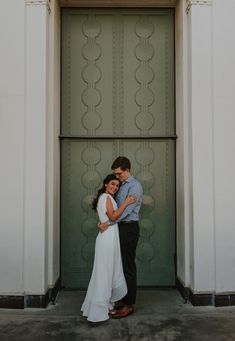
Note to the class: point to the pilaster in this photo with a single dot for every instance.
(202, 243)
(36, 107)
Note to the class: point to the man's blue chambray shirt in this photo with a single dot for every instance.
(130, 187)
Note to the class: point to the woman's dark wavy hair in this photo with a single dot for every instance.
(108, 178)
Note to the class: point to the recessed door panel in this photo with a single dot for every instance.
(118, 99)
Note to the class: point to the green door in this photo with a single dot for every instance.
(118, 99)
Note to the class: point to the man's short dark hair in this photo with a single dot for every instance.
(122, 162)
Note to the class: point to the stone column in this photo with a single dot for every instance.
(202, 243)
(36, 111)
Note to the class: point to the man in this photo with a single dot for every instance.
(128, 232)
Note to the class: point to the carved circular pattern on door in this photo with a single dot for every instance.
(91, 156)
(146, 178)
(144, 156)
(145, 252)
(91, 73)
(91, 27)
(89, 227)
(144, 28)
(146, 228)
(91, 120)
(91, 179)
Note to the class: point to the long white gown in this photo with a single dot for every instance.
(107, 283)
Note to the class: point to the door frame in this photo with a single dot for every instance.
(171, 137)
(183, 162)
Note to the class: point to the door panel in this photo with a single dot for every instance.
(117, 99)
(83, 168)
(118, 73)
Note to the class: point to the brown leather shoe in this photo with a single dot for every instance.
(125, 311)
(119, 305)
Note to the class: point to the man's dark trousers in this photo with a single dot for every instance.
(129, 236)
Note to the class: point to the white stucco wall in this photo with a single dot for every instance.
(12, 120)
(29, 129)
(194, 158)
(205, 78)
(201, 117)
(224, 142)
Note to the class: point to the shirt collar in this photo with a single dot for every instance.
(128, 179)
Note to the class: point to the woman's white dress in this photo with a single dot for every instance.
(107, 283)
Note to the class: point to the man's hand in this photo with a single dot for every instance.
(102, 227)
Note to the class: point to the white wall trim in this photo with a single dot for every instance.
(191, 3)
(46, 3)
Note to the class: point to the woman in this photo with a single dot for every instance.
(107, 283)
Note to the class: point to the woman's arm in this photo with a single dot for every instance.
(115, 214)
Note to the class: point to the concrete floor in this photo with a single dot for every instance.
(160, 315)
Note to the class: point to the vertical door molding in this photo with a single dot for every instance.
(202, 259)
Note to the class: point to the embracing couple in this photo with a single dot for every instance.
(112, 288)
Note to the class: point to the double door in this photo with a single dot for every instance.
(118, 99)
